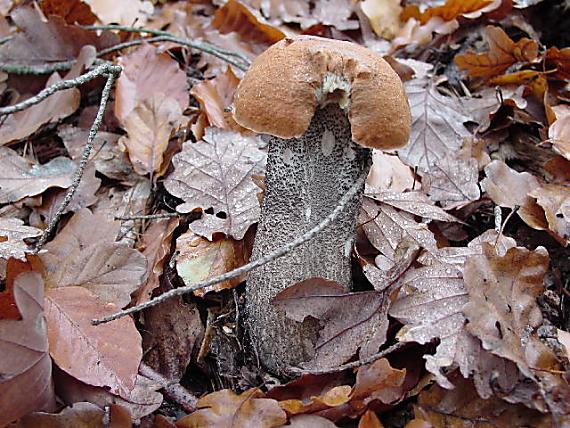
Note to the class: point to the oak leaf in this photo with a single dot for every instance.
(13, 233)
(217, 173)
(503, 52)
(25, 365)
(105, 355)
(224, 408)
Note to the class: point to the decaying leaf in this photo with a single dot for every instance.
(13, 232)
(199, 259)
(104, 355)
(437, 121)
(147, 73)
(80, 415)
(344, 329)
(20, 179)
(149, 127)
(416, 203)
(224, 408)
(25, 365)
(85, 254)
(216, 173)
(503, 52)
(554, 199)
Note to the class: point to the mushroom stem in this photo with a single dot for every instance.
(305, 178)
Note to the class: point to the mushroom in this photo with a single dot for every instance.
(322, 105)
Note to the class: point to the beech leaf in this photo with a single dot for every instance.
(217, 173)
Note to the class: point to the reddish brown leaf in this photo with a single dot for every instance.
(560, 60)
(72, 11)
(25, 365)
(105, 355)
(345, 330)
(87, 256)
(235, 17)
(502, 53)
(224, 408)
(370, 420)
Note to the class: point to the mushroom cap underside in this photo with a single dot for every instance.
(289, 81)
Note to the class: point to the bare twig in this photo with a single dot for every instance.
(148, 216)
(172, 390)
(112, 72)
(353, 365)
(37, 69)
(281, 251)
(62, 85)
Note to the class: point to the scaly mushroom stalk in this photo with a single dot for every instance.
(321, 104)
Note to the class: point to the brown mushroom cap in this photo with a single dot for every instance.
(287, 82)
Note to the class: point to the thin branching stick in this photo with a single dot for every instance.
(112, 72)
(281, 251)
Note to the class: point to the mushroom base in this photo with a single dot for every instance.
(305, 179)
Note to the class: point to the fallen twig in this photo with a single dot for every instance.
(281, 251)
(172, 390)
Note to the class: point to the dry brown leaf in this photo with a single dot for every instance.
(388, 173)
(224, 408)
(430, 305)
(146, 73)
(79, 415)
(502, 306)
(508, 188)
(149, 127)
(125, 12)
(25, 365)
(42, 42)
(330, 398)
(235, 17)
(559, 131)
(155, 246)
(199, 259)
(279, 11)
(453, 180)
(462, 407)
(345, 330)
(414, 202)
(437, 121)
(555, 201)
(72, 11)
(216, 173)
(370, 420)
(452, 9)
(106, 355)
(24, 123)
(387, 228)
(20, 179)
(560, 60)
(335, 13)
(384, 16)
(310, 421)
(215, 97)
(414, 33)
(143, 399)
(85, 254)
(13, 234)
(503, 53)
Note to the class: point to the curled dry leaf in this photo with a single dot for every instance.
(451, 9)
(149, 127)
(555, 201)
(20, 179)
(217, 173)
(508, 188)
(126, 12)
(384, 16)
(345, 330)
(235, 17)
(388, 173)
(199, 259)
(106, 355)
(85, 254)
(503, 52)
(437, 121)
(24, 123)
(146, 73)
(559, 59)
(25, 365)
(72, 11)
(13, 234)
(224, 408)
(559, 131)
